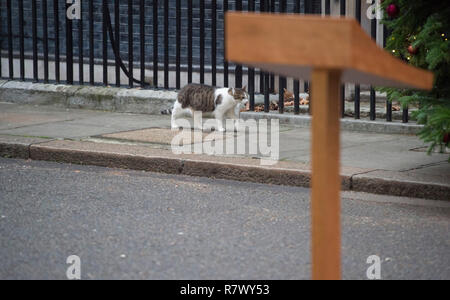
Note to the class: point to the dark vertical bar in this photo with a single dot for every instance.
(262, 8)
(115, 42)
(178, 40)
(0, 49)
(328, 7)
(251, 71)
(357, 103)
(296, 97)
(91, 41)
(105, 43)
(405, 117)
(189, 41)
(10, 40)
(261, 82)
(272, 76)
(225, 62)
(266, 93)
(343, 13)
(22, 41)
(34, 30)
(69, 48)
(358, 10)
(281, 80)
(130, 43)
(266, 85)
(142, 39)
(80, 48)
(373, 30)
(265, 7)
(45, 38)
(388, 103)
(155, 43)
(297, 82)
(56, 37)
(308, 10)
(388, 111)
(343, 7)
(202, 41)
(238, 68)
(214, 42)
(117, 36)
(166, 44)
(373, 115)
(272, 83)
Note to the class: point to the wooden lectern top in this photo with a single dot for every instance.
(294, 45)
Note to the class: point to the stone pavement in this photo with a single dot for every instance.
(378, 163)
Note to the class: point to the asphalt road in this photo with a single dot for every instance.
(136, 225)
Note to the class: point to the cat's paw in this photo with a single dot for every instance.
(236, 126)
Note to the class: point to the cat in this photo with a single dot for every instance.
(221, 102)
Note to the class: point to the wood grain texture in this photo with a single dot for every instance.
(327, 51)
(326, 183)
(293, 45)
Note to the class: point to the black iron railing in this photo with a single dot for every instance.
(183, 30)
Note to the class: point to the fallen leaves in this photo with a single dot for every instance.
(274, 105)
(396, 108)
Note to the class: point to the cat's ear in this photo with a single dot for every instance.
(230, 91)
(285, 90)
(244, 88)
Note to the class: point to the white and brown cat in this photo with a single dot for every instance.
(222, 103)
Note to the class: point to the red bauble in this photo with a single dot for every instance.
(412, 50)
(392, 10)
(446, 139)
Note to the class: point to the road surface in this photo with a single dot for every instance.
(136, 225)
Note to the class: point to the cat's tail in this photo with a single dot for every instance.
(166, 111)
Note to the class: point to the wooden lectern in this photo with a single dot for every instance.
(328, 51)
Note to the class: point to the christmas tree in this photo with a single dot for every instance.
(420, 32)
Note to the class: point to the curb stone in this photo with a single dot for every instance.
(17, 147)
(44, 150)
(88, 97)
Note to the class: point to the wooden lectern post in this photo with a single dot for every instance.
(328, 51)
(326, 182)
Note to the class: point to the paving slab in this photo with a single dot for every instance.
(52, 122)
(166, 136)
